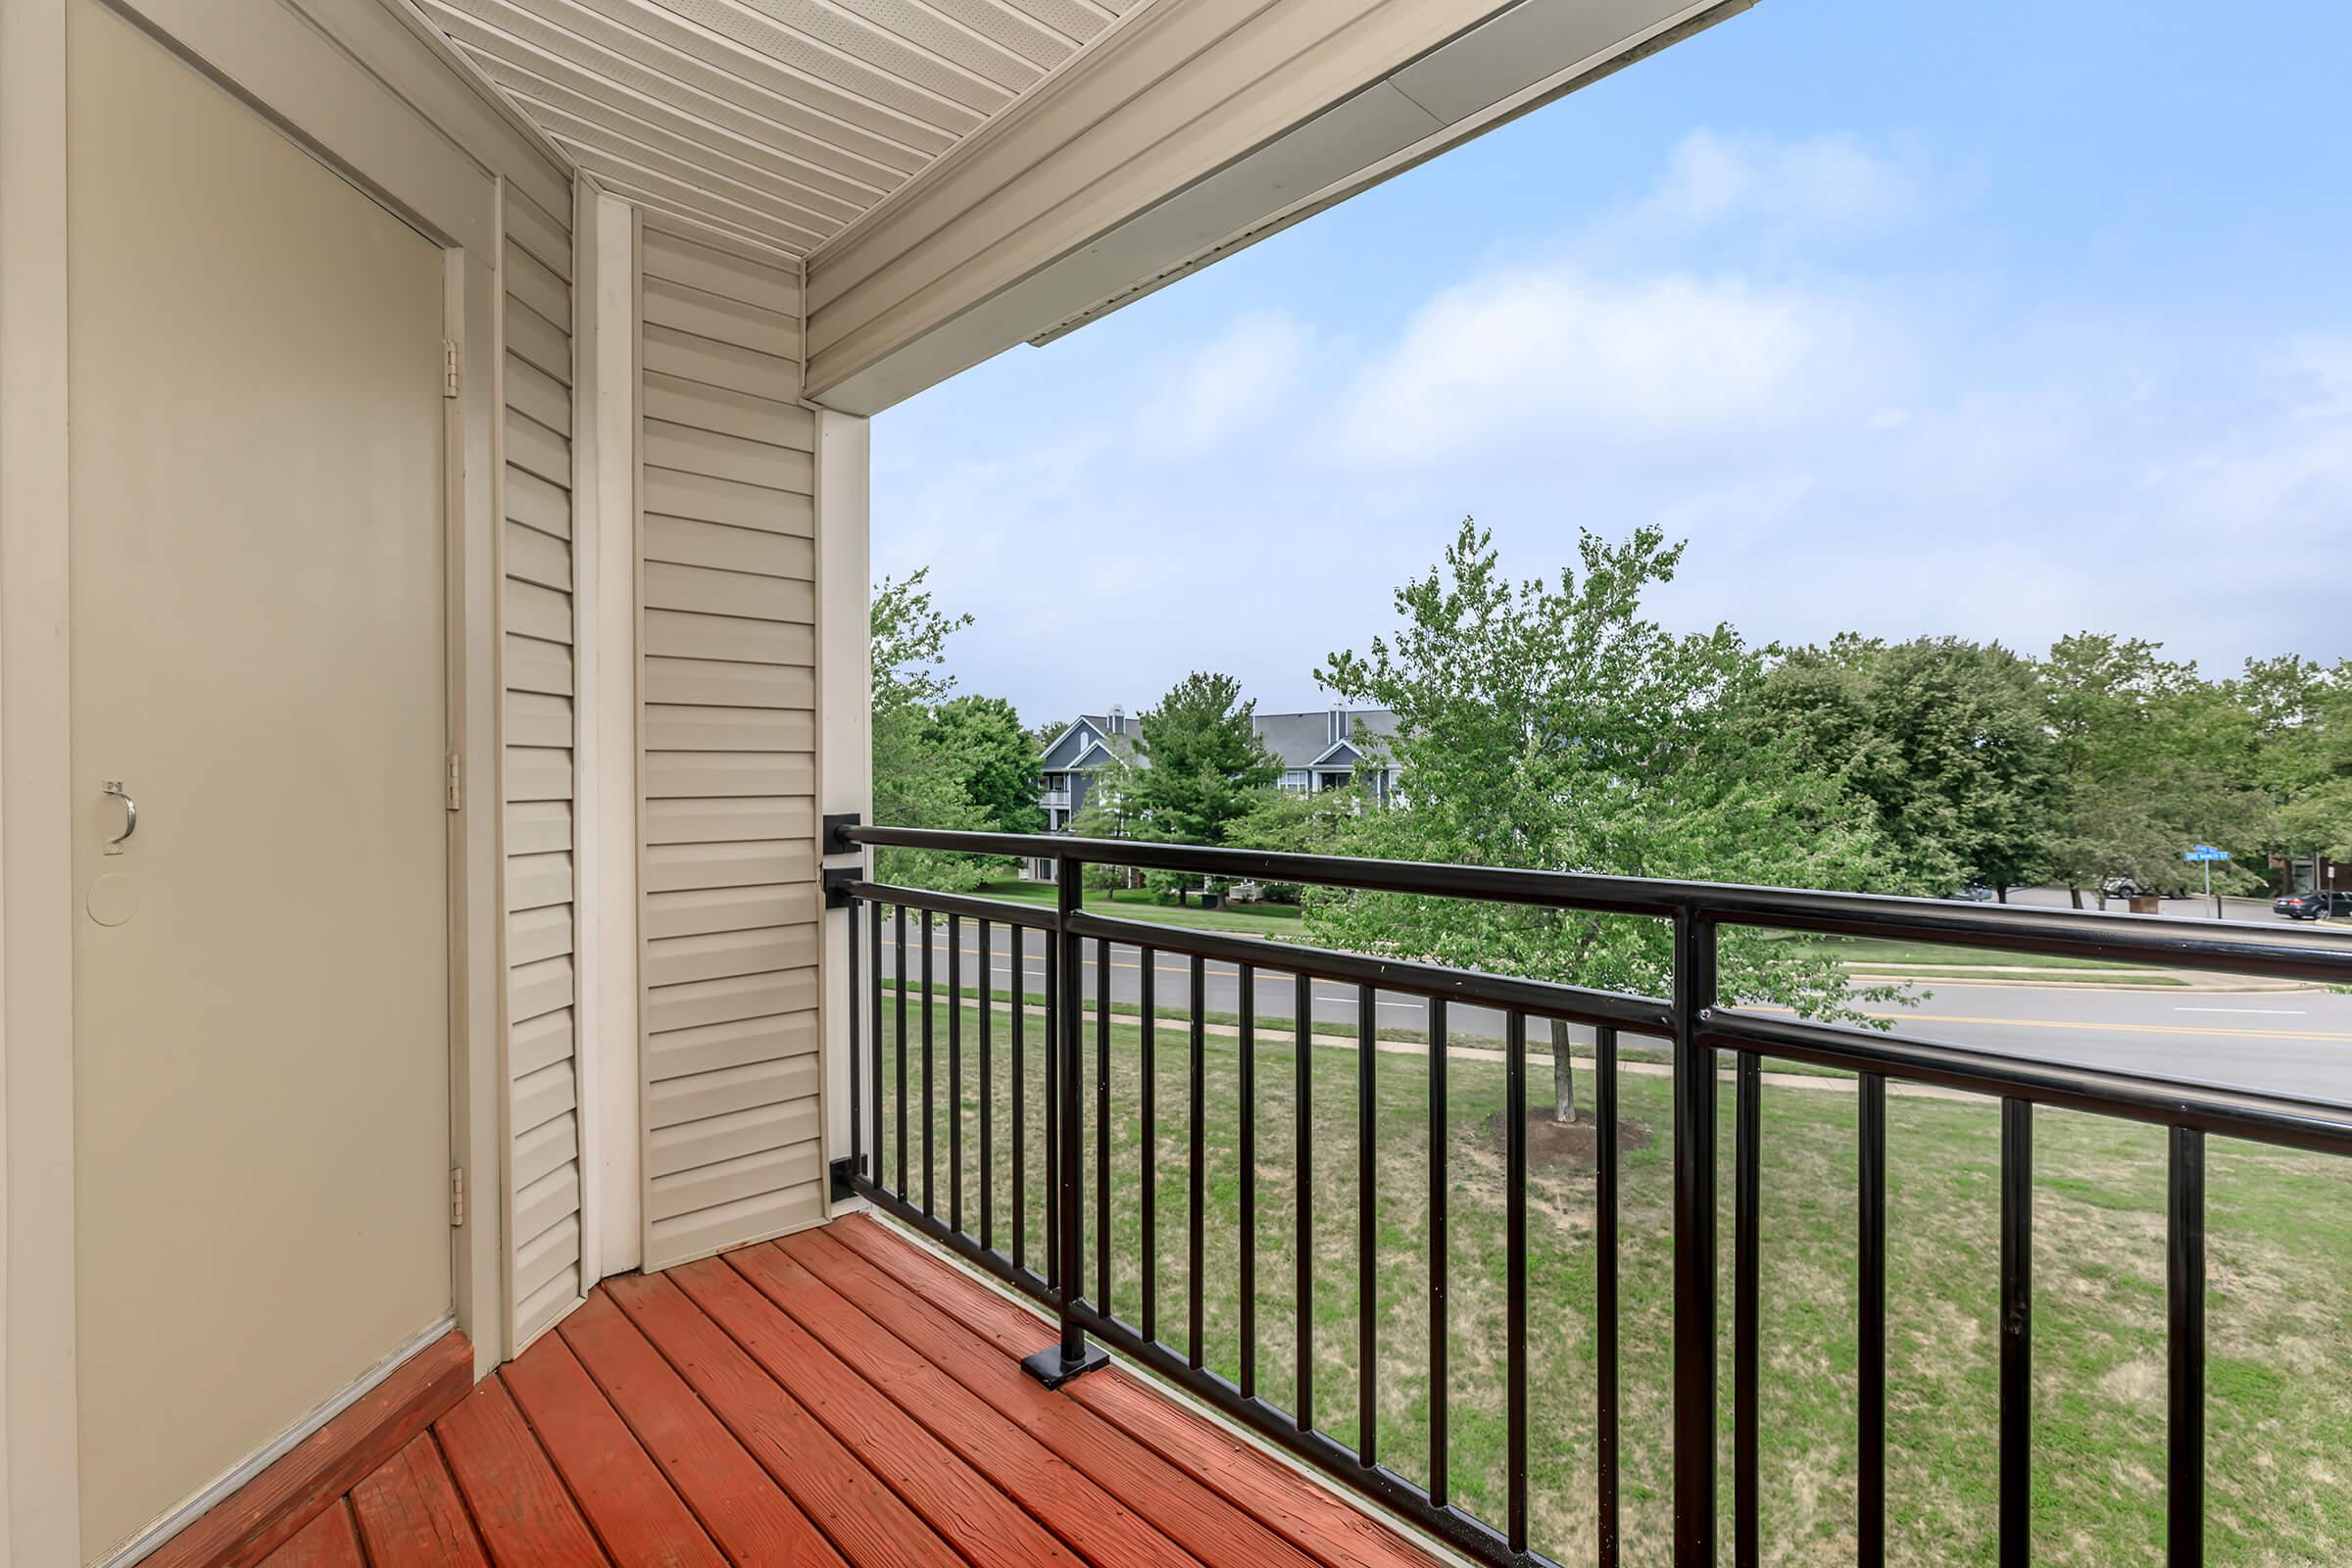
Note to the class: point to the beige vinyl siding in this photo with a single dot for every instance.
(544, 1167)
(727, 882)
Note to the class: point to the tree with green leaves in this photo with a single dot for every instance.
(998, 763)
(1204, 763)
(2301, 715)
(917, 783)
(1944, 739)
(1557, 726)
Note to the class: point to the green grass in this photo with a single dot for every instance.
(2279, 1307)
(1262, 920)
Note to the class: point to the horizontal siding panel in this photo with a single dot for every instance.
(676, 867)
(704, 1094)
(536, 503)
(538, 773)
(711, 1230)
(701, 591)
(543, 234)
(536, 988)
(685, 309)
(725, 457)
(535, 448)
(729, 413)
(688, 821)
(535, 664)
(707, 497)
(687, 542)
(729, 773)
(540, 1042)
(713, 1047)
(546, 1306)
(670, 633)
(534, 282)
(723, 955)
(539, 558)
(670, 728)
(732, 1180)
(541, 933)
(696, 1143)
(538, 827)
(548, 1201)
(722, 683)
(548, 1257)
(533, 391)
(746, 996)
(534, 718)
(543, 1095)
(707, 360)
(537, 611)
(546, 344)
(534, 881)
(713, 270)
(542, 1149)
(703, 912)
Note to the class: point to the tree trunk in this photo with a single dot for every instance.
(2074, 894)
(2001, 894)
(1563, 1075)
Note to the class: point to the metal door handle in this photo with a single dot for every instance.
(131, 816)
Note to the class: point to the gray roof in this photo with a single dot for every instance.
(1298, 739)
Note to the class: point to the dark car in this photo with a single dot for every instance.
(2313, 905)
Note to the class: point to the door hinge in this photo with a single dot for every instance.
(456, 779)
(456, 1195)
(448, 369)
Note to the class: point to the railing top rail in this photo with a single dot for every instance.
(2218, 945)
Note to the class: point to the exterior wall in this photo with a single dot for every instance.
(728, 901)
(537, 667)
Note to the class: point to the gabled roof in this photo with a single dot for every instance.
(1304, 740)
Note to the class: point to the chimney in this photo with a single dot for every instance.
(1119, 720)
(1334, 725)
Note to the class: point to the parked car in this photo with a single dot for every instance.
(2121, 887)
(1975, 892)
(2313, 905)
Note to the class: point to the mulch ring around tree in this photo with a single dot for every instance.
(1568, 1145)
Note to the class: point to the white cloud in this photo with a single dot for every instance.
(1217, 389)
(1817, 186)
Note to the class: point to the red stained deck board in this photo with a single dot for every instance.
(750, 1517)
(631, 1508)
(865, 1520)
(410, 1514)
(1307, 1516)
(1205, 1524)
(526, 1518)
(1100, 1527)
(326, 1542)
(954, 1498)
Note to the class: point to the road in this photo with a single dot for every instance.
(2282, 1042)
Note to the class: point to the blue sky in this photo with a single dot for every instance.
(2005, 321)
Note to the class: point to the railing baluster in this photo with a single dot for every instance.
(930, 1076)
(1514, 1251)
(1102, 1128)
(1149, 1162)
(1019, 1217)
(1247, 1231)
(1198, 1133)
(1070, 1355)
(1302, 1116)
(956, 1071)
(1694, 1250)
(874, 1062)
(1747, 1210)
(1870, 1328)
(2185, 1290)
(1605, 1237)
(2017, 1332)
(1440, 1184)
(857, 1067)
(899, 943)
(984, 961)
(1051, 942)
(1367, 1226)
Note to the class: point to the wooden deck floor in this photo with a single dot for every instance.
(841, 1396)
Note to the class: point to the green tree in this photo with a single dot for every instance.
(1111, 812)
(1204, 763)
(1558, 728)
(1943, 739)
(2301, 715)
(998, 761)
(917, 782)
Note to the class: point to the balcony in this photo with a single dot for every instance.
(1162, 1178)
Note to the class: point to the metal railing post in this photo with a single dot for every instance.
(1071, 1355)
(1693, 1243)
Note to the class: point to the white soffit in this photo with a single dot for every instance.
(778, 121)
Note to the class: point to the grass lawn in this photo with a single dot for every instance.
(2279, 1308)
(1257, 920)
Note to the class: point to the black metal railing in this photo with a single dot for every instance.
(1692, 1023)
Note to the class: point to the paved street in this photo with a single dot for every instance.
(2284, 1042)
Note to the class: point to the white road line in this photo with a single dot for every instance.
(2275, 1012)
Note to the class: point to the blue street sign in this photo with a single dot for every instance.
(2206, 852)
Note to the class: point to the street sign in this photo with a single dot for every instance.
(2206, 852)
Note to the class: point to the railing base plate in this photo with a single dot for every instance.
(1052, 1368)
